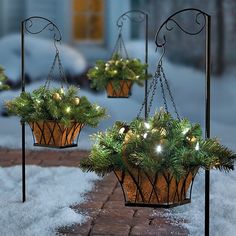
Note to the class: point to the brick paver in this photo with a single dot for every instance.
(104, 207)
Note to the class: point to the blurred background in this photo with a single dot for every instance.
(89, 32)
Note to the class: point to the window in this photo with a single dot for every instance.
(88, 20)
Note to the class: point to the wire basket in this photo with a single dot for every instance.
(54, 134)
(159, 190)
(124, 90)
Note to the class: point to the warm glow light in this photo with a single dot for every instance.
(197, 147)
(122, 130)
(159, 148)
(145, 135)
(38, 101)
(185, 131)
(62, 91)
(147, 125)
(68, 109)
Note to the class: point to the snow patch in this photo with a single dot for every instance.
(50, 193)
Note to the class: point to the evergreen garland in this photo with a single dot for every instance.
(55, 104)
(158, 145)
(117, 69)
(3, 79)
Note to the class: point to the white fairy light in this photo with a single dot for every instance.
(115, 71)
(97, 107)
(68, 109)
(147, 125)
(185, 131)
(38, 101)
(197, 147)
(145, 135)
(62, 91)
(0, 83)
(122, 130)
(159, 148)
(96, 68)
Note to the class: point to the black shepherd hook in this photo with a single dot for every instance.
(137, 16)
(27, 26)
(203, 21)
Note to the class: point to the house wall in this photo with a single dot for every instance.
(61, 13)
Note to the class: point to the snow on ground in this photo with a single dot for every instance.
(188, 89)
(50, 193)
(222, 208)
(39, 56)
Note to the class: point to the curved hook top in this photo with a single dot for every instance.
(139, 16)
(199, 13)
(28, 23)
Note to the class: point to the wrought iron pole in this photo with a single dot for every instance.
(140, 17)
(207, 26)
(22, 122)
(208, 118)
(146, 61)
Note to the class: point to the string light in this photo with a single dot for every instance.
(122, 130)
(38, 101)
(147, 125)
(159, 148)
(145, 135)
(197, 147)
(62, 91)
(68, 109)
(185, 131)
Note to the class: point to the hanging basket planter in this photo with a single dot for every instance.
(161, 190)
(55, 134)
(156, 161)
(117, 75)
(55, 116)
(123, 90)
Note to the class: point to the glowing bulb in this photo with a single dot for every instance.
(96, 68)
(62, 91)
(68, 109)
(0, 83)
(147, 125)
(97, 107)
(197, 147)
(145, 135)
(122, 130)
(38, 101)
(137, 76)
(185, 131)
(115, 71)
(159, 148)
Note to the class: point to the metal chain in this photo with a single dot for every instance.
(50, 74)
(170, 93)
(148, 92)
(119, 45)
(61, 72)
(163, 95)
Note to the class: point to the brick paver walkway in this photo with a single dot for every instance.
(105, 207)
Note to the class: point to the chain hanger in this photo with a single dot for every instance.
(120, 45)
(62, 76)
(160, 77)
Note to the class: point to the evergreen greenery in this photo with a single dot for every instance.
(3, 79)
(55, 104)
(117, 69)
(158, 145)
